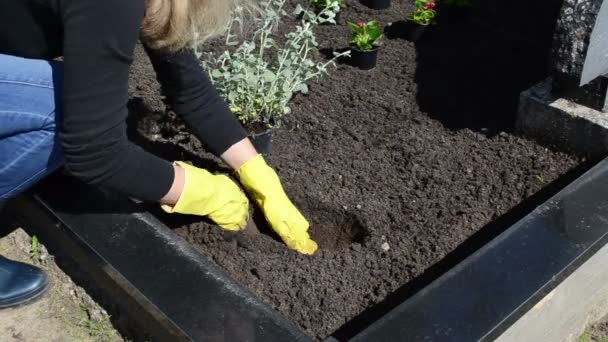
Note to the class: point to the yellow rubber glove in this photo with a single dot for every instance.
(215, 196)
(263, 184)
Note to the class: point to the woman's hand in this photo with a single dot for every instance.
(264, 186)
(205, 194)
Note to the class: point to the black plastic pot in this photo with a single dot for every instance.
(404, 29)
(413, 31)
(364, 59)
(262, 142)
(377, 4)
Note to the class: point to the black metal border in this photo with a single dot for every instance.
(157, 277)
(490, 290)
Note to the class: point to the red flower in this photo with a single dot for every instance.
(360, 24)
(429, 5)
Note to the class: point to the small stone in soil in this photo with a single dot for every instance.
(385, 247)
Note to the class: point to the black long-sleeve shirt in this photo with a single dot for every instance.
(97, 39)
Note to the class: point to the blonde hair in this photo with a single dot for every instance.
(173, 25)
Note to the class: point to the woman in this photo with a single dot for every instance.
(73, 113)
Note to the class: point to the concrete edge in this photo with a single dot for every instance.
(562, 123)
(563, 314)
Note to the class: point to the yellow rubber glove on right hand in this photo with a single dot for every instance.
(263, 184)
(216, 196)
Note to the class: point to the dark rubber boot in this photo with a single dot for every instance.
(19, 283)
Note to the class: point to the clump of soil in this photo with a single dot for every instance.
(394, 167)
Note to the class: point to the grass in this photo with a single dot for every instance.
(87, 329)
(63, 310)
(95, 329)
(585, 337)
(35, 248)
(588, 337)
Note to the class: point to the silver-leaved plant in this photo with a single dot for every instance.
(330, 7)
(260, 76)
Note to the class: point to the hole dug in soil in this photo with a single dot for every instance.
(334, 230)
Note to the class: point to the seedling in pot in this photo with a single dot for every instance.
(331, 8)
(260, 76)
(418, 21)
(425, 12)
(364, 42)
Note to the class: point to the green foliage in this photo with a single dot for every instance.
(589, 337)
(365, 35)
(585, 337)
(335, 5)
(35, 248)
(425, 13)
(259, 78)
(330, 7)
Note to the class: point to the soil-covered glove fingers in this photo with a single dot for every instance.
(215, 196)
(264, 186)
(290, 225)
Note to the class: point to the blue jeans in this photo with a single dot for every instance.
(30, 90)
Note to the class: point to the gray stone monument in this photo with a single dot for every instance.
(568, 110)
(573, 39)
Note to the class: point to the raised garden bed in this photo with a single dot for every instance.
(396, 168)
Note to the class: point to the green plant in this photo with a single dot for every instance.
(334, 5)
(589, 337)
(585, 337)
(35, 248)
(365, 35)
(425, 12)
(260, 76)
(331, 7)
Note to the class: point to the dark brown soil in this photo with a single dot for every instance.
(395, 167)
